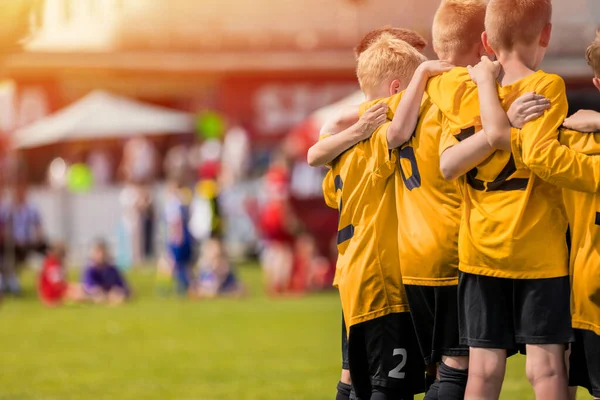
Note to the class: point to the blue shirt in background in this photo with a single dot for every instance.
(107, 278)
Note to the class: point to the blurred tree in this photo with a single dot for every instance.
(18, 19)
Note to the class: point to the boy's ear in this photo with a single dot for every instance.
(486, 44)
(546, 33)
(395, 87)
(596, 82)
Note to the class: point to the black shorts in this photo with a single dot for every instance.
(501, 313)
(384, 352)
(345, 362)
(585, 361)
(434, 311)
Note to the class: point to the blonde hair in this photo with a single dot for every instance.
(387, 58)
(458, 25)
(592, 54)
(409, 36)
(509, 22)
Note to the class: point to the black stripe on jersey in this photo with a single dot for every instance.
(465, 133)
(503, 183)
(345, 234)
(475, 183)
(597, 222)
(339, 184)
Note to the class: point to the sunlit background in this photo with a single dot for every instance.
(103, 102)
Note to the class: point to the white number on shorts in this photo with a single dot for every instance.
(396, 372)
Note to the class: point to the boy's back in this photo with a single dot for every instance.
(512, 214)
(368, 266)
(428, 206)
(584, 220)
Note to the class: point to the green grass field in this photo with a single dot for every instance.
(169, 348)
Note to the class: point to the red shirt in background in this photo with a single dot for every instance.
(52, 284)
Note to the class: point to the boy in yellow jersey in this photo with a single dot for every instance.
(429, 207)
(358, 130)
(383, 353)
(584, 219)
(514, 285)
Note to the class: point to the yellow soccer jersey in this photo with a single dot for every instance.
(428, 206)
(583, 211)
(514, 222)
(368, 266)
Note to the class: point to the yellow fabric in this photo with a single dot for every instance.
(368, 265)
(514, 222)
(428, 206)
(584, 218)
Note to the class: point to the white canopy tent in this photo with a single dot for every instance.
(102, 115)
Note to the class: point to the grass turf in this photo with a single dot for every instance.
(170, 348)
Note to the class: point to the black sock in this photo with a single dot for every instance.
(432, 391)
(343, 391)
(453, 383)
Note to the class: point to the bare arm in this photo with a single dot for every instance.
(496, 123)
(472, 151)
(584, 121)
(466, 155)
(407, 114)
(345, 130)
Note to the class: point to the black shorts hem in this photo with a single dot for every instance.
(437, 356)
(542, 340)
(345, 365)
(486, 344)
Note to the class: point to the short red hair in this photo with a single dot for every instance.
(457, 26)
(409, 36)
(592, 55)
(510, 22)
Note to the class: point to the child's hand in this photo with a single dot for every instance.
(526, 108)
(486, 69)
(433, 68)
(584, 121)
(372, 119)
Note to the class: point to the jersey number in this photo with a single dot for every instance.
(346, 232)
(414, 180)
(397, 373)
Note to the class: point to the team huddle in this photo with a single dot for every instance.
(456, 183)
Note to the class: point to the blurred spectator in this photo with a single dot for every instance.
(100, 163)
(179, 239)
(53, 286)
(176, 164)
(310, 270)
(215, 273)
(23, 235)
(138, 220)
(140, 161)
(102, 281)
(277, 225)
(236, 156)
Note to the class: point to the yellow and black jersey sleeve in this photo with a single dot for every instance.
(393, 102)
(456, 95)
(536, 145)
(329, 190)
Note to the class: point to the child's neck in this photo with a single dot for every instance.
(376, 95)
(460, 60)
(514, 68)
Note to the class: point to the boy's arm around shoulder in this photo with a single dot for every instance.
(343, 131)
(406, 117)
(536, 145)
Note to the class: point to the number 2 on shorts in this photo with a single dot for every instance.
(397, 373)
